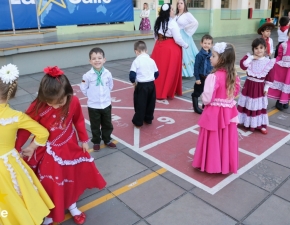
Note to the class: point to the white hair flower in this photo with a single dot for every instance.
(220, 47)
(165, 7)
(9, 73)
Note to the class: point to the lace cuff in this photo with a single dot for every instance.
(267, 86)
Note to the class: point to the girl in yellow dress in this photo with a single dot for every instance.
(22, 198)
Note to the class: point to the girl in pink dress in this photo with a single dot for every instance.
(64, 168)
(217, 144)
(253, 102)
(280, 90)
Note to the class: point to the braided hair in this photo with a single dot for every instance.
(163, 19)
(8, 91)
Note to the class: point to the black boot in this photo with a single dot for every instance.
(286, 106)
(195, 105)
(279, 105)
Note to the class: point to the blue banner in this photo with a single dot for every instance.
(64, 12)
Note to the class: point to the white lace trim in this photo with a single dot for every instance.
(9, 167)
(62, 162)
(85, 141)
(54, 179)
(253, 122)
(260, 68)
(255, 79)
(45, 112)
(281, 87)
(8, 120)
(253, 104)
(53, 142)
(229, 103)
(283, 64)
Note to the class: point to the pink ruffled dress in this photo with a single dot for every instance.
(252, 103)
(217, 144)
(280, 89)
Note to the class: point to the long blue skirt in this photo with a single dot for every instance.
(188, 55)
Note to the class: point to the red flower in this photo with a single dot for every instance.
(53, 71)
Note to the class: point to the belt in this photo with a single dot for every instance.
(163, 38)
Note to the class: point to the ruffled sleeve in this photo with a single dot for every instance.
(280, 53)
(242, 63)
(192, 25)
(270, 76)
(210, 87)
(248, 61)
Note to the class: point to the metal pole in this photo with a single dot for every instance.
(38, 23)
(12, 18)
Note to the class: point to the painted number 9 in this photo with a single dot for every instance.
(166, 120)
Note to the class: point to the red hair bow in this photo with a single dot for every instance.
(53, 71)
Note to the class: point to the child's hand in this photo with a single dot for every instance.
(265, 93)
(29, 150)
(255, 57)
(85, 147)
(134, 84)
(198, 82)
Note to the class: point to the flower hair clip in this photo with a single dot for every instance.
(9, 73)
(220, 47)
(53, 71)
(165, 7)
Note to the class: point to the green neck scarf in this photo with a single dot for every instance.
(99, 78)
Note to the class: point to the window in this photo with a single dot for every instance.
(225, 4)
(257, 4)
(195, 4)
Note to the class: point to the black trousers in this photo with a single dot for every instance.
(144, 103)
(277, 48)
(101, 124)
(198, 88)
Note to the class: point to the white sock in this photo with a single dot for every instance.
(47, 220)
(74, 211)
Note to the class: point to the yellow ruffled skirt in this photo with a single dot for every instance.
(21, 194)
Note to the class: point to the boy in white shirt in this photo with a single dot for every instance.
(97, 85)
(282, 32)
(143, 72)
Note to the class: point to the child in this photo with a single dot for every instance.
(96, 85)
(265, 31)
(64, 168)
(280, 90)
(282, 32)
(21, 193)
(143, 72)
(217, 144)
(202, 68)
(252, 104)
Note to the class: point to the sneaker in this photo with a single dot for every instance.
(111, 145)
(96, 147)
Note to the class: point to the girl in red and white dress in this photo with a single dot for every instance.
(217, 148)
(64, 168)
(280, 90)
(253, 102)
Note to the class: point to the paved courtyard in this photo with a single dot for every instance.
(149, 177)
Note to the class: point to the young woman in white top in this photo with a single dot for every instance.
(188, 25)
(167, 54)
(145, 22)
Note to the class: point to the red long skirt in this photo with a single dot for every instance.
(168, 57)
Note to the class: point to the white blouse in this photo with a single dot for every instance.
(173, 31)
(145, 13)
(187, 22)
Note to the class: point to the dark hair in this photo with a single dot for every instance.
(53, 90)
(185, 7)
(206, 37)
(140, 46)
(97, 50)
(163, 19)
(257, 42)
(8, 91)
(284, 20)
(227, 61)
(266, 28)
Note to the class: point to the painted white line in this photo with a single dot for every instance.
(157, 109)
(248, 153)
(121, 89)
(136, 137)
(278, 128)
(153, 144)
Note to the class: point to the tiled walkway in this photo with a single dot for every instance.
(141, 192)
